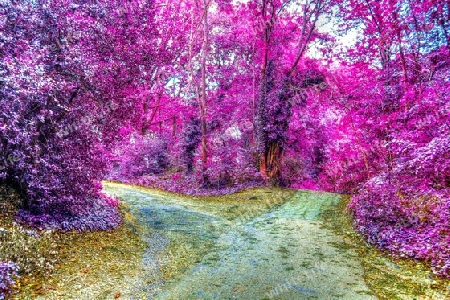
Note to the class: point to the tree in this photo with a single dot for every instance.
(64, 96)
(278, 76)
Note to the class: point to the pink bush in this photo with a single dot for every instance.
(408, 225)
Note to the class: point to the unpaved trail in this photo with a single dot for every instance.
(285, 252)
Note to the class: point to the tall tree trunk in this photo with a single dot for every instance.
(200, 88)
(264, 88)
(274, 155)
(261, 121)
(202, 102)
(270, 149)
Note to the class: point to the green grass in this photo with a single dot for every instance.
(91, 258)
(52, 262)
(237, 207)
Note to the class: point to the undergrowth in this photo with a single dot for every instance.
(53, 262)
(387, 276)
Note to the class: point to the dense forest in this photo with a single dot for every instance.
(208, 97)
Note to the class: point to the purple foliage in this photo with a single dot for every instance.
(193, 185)
(408, 225)
(8, 270)
(239, 104)
(61, 102)
(141, 156)
(100, 213)
(405, 209)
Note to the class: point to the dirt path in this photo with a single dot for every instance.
(283, 253)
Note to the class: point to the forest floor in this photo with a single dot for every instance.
(256, 244)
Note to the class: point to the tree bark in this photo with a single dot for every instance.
(270, 150)
(202, 102)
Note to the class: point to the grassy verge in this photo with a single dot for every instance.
(53, 264)
(238, 206)
(386, 276)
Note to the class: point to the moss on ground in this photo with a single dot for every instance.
(238, 207)
(100, 259)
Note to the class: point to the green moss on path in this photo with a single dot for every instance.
(282, 254)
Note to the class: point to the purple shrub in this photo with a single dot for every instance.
(142, 156)
(193, 184)
(414, 226)
(100, 213)
(61, 105)
(8, 270)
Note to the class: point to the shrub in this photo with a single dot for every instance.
(142, 156)
(62, 102)
(407, 224)
(8, 270)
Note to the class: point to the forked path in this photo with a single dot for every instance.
(283, 253)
